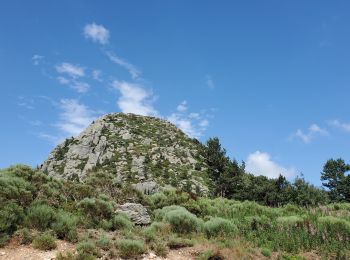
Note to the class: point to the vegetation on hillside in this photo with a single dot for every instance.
(245, 216)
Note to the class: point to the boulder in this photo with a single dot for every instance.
(136, 212)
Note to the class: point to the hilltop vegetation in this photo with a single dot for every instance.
(216, 206)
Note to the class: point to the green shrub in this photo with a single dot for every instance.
(11, 215)
(130, 248)
(155, 230)
(159, 247)
(87, 250)
(44, 241)
(24, 236)
(66, 226)
(266, 252)
(121, 221)
(178, 242)
(14, 189)
(103, 242)
(159, 214)
(4, 239)
(180, 219)
(96, 209)
(219, 227)
(65, 256)
(41, 216)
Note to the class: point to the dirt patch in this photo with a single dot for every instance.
(19, 252)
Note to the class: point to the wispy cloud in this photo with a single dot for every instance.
(79, 86)
(193, 124)
(25, 102)
(74, 117)
(133, 71)
(74, 71)
(260, 163)
(341, 125)
(96, 33)
(134, 98)
(37, 59)
(313, 131)
(96, 75)
(182, 107)
(210, 82)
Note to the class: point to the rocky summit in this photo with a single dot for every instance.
(147, 152)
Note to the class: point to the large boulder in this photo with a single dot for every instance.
(136, 212)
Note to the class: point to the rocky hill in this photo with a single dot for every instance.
(147, 152)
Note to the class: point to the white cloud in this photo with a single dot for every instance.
(192, 124)
(210, 82)
(63, 80)
(74, 117)
(182, 107)
(133, 71)
(260, 163)
(97, 33)
(72, 73)
(204, 123)
(341, 125)
(135, 99)
(80, 87)
(37, 59)
(313, 131)
(96, 75)
(71, 70)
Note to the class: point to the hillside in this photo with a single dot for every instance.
(136, 149)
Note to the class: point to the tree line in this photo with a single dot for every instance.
(229, 179)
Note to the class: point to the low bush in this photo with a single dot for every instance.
(96, 209)
(87, 250)
(219, 227)
(266, 252)
(65, 256)
(156, 230)
(103, 242)
(45, 241)
(121, 221)
(66, 226)
(11, 216)
(4, 239)
(130, 248)
(41, 216)
(159, 247)
(178, 242)
(181, 220)
(24, 236)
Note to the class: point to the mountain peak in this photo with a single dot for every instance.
(135, 149)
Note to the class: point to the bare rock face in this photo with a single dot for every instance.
(144, 151)
(136, 212)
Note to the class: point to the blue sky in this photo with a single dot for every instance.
(269, 78)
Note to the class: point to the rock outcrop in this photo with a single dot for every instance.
(147, 152)
(136, 212)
